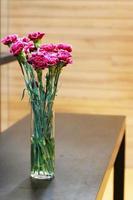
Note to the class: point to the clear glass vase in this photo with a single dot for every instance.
(42, 142)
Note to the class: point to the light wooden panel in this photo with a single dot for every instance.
(108, 195)
(3, 72)
(101, 77)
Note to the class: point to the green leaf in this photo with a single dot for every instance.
(23, 93)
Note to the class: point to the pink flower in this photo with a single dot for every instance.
(35, 36)
(66, 47)
(16, 48)
(47, 47)
(52, 59)
(64, 57)
(25, 39)
(38, 61)
(28, 47)
(9, 39)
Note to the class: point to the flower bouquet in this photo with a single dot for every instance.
(41, 66)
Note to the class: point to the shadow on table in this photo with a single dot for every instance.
(30, 189)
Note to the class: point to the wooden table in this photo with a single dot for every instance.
(6, 58)
(87, 147)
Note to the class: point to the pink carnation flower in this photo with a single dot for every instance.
(25, 39)
(65, 57)
(28, 47)
(38, 61)
(48, 48)
(35, 36)
(9, 39)
(66, 47)
(16, 48)
(51, 58)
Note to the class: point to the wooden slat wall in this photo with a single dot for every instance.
(101, 78)
(4, 71)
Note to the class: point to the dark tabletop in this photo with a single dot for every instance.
(86, 146)
(6, 58)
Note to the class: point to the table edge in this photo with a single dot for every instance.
(121, 134)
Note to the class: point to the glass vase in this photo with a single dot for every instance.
(42, 142)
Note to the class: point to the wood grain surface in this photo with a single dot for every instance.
(100, 81)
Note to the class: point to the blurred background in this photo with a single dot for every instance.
(100, 81)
